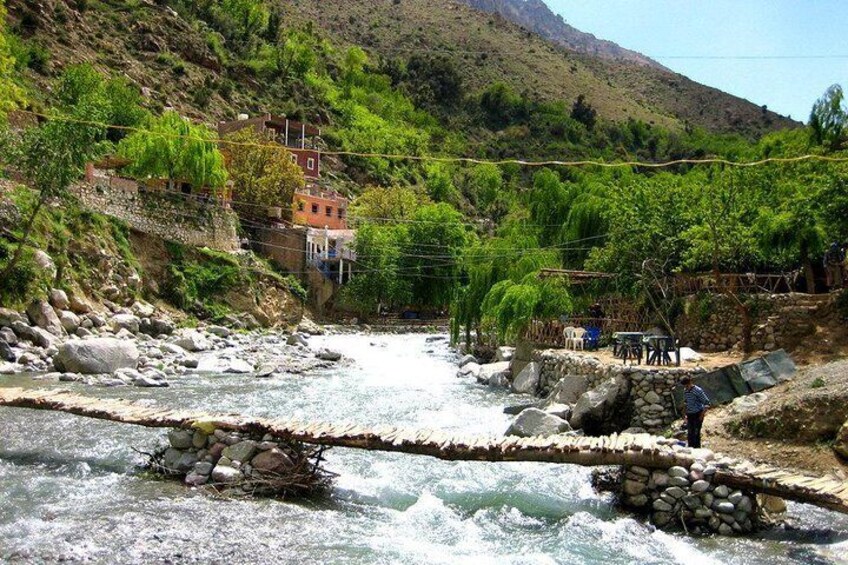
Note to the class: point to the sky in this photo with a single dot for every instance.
(679, 33)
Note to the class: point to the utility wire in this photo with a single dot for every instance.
(471, 160)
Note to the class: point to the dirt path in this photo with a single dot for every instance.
(793, 427)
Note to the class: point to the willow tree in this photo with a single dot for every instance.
(172, 148)
(829, 118)
(511, 306)
(261, 171)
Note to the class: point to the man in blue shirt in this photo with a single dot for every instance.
(695, 405)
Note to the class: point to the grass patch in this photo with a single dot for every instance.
(818, 383)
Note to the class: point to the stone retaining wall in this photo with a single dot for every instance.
(681, 498)
(651, 389)
(170, 216)
(713, 322)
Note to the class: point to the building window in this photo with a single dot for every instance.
(310, 164)
(300, 205)
(329, 211)
(293, 158)
(314, 208)
(341, 213)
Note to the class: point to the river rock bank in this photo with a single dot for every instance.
(142, 346)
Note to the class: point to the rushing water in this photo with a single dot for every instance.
(69, 489)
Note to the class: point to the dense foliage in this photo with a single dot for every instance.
(261, 171)
(171, 147)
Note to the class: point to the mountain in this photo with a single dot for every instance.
(180, 63)
(536, 16)
(490, 48)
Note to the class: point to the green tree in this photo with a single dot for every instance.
(379, 279)
(261, 171)
(829, 118)
(386, 204)
(51, 157)
(512, 306)
(172, 148)
(10, 94)
(437, 239)
(584, 113)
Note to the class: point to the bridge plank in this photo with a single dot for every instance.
(624, 449)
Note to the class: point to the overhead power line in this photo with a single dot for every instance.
(475, 161)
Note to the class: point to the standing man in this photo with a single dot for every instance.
(695, 407)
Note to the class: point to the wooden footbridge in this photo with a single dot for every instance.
(642, 450)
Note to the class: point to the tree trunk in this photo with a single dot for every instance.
(7, 271)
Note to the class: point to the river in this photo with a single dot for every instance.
(70, 489)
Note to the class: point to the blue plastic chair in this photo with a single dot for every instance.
(592, 339)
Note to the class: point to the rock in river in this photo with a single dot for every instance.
(96, 356)
(534, 422)
(328, 355)
(528, 379)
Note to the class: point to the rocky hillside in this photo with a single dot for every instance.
(536, 16)
(178, 62)
(114, 267)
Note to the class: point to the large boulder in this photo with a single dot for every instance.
(494, 374)
(8, 335)
(69, 321)
(6, 353)
(467, 359)
(79, 305)
(42, 315)
(142, 309)
(44, 264)
(194, 342)
(527, 381)
(309, 327)
(601, 410)
(840, 445)
(9, 317)
(96, 356)
(273, 462)
(328, 355)
(155, 327)
(127, 322)
(568, 390)
(59, 299)
(38, 336)
(534, 422)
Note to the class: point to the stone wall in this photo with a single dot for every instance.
(712, 323)
(651, 399)
(689, 498)
(171, 216)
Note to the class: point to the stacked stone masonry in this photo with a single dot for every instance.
(172, 216)
(680, 498)
(713, 323)
(651, 389)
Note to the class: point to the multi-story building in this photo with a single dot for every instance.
(299, 138)
(320, 209)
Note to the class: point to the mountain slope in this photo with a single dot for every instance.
(536, 16)
(489, 49)
(174, 61)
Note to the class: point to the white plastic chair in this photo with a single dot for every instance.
(568, 334)
(577, 339)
